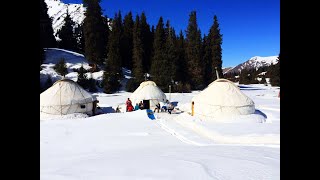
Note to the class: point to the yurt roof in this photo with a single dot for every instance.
(65, 92)
(148, 90)
(223, 92)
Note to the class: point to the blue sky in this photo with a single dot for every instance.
(249, 27)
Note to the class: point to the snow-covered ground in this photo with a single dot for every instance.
(121, 146)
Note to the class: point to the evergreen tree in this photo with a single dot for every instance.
(106, 24)
(94, 33)
(216, 48)
(147, 42)
(111, 81)
(137, 52)
(193, 53)
(112, 74)
(61, 67)
(275, 74)
(159, 63)
(82, 77)
(78, 31)
(245, 77)
(118, 26)
(207, 59)
(114, 55)
(92, 84)
(171, 54)
(67, 35)
(47, 39)
(181, 65)
(127, 41)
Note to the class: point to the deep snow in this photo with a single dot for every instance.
(177, 146)
(129, 145)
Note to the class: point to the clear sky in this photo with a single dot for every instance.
(249, 27)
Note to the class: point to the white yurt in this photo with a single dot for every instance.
(222, 98)
(149, 93)
(66, 97)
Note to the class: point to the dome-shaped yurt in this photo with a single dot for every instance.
(149, 93)
(66, 97)
(222, 98)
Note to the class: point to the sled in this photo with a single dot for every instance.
(150, 114)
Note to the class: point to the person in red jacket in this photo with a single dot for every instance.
(128, 104)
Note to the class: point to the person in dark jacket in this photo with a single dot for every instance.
(157, 108)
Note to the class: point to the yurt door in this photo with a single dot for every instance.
(146, 104)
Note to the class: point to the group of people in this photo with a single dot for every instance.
(164, 107)
(129, 106)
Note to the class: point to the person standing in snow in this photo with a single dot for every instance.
(141, 105)
(128, 103)
(157, 107)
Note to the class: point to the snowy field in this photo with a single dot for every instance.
(130, 146)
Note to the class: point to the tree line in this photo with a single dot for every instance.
(184, 62)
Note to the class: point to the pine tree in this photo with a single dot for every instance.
(137, 52)
(216, 48)
(106, 22)
(245, 77)
(117, 31)
(112, 74)
(207, 59)
(94, 33)
(79, 38)
(92, 84)
(181, 65)
(171, 55)
(275, 75)
(61, 67)
(82, 77)
(193, 53)
(147, 42)
(127, 41)
(159, 66)
(114, 56)
(47, 39)
(67, 35)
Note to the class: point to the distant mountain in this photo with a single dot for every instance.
(57, 12)
(254, 62)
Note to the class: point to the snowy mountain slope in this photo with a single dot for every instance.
(57, 11)
(73, 61)
(254, 62)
